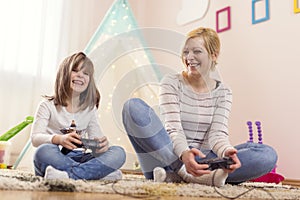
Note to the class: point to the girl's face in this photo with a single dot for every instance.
(80, 79)
(196, 57)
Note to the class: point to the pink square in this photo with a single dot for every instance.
(226, 9)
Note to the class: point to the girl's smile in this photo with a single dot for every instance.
(79, 79)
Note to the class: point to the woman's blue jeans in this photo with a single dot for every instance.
(154, 147)
(77, 164)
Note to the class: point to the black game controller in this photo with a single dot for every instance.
(217, 163)
(91, 144)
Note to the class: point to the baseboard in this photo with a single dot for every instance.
(131, 171)
(292, 182)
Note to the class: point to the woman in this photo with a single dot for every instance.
(76, 99)
(195, 109)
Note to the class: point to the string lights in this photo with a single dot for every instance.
(118, 53)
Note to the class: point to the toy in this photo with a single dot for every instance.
(249, 123)
(13, 131)
(271, 177)
(3, 166)
(5, 143)
(217, 163)
(258, 125)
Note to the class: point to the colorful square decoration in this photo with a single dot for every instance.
(226, 27)
(296, 7)
(267, 13)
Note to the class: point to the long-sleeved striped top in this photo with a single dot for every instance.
(195, 119)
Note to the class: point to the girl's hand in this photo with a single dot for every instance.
(103, 143)
(67, 140)
(232, 153)
(192, 167)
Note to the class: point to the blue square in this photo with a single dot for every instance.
(267, 16)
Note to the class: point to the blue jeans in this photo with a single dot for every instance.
(77, 164)
(154, 147)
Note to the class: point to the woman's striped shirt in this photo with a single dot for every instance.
(195, 119)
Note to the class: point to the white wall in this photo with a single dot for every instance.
(271, 55)
(260, 62)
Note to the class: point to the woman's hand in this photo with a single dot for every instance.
(103, 143)
(232, 153)
(192, 167)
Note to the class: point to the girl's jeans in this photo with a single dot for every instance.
(77, 164)
(154, 147)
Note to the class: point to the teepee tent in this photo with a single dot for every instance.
(124, 68)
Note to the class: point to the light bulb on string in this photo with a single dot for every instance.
(113, 22)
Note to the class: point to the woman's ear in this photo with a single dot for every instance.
(214, 57)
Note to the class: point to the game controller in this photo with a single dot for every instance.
(91, 144)
(217, 163)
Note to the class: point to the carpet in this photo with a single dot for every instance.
(136, 186)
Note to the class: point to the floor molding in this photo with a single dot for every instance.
(131, 171)
(292, 182)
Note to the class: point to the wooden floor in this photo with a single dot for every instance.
(35, 195)
(30, 195)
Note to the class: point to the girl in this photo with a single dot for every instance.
(76, 99)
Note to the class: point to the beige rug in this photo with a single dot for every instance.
(137, 186)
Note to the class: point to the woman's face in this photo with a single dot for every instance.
(79, 79)
(196, 57)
